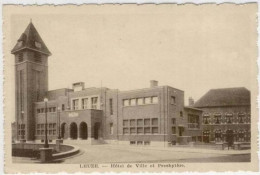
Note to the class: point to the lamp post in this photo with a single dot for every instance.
(58, 110)
(46, 145)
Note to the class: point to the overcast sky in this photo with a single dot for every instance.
(192, 48)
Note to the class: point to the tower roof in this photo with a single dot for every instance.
(224, 97)
(30, 39)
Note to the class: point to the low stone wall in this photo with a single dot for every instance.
(32, 149)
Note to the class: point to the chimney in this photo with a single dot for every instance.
(191, 101)
(153, 83)
(79, 86)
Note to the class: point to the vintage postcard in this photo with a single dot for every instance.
(130, 88)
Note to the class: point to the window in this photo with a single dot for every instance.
(139, 122)
(155, 121)
(126, 102)
(63, 107)
(241, 118)
(20, 57)
(54, 109)
(37, 57)
(173, 100)
(94, 102)
(229, 118)
(147, 122)
(38, 45)
(154, 100)
(132, 131)
(133, 102)
(111, 106)
(140, 101)
(125, 131)
(75, 104)
(132, 122)
(206, 119)
(146, 142)
(181, 114)
(147, 130)
(84, 103)
(132, 142)
(38, 111)
(155, 130)
(139, 142)
(173, 130)
(217, 119)
(173, 121)
(147, 100)
(139, 130)
(125, 122)
(111, 129)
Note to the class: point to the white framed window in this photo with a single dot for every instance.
(133, 102)
(94, 102)
(147, 100)
(111, 128)
(84, 103)
(75, 104)
(126, 102)
(140, 101)
(154, 100)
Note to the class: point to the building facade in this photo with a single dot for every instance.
(226, 115)
(150, 116)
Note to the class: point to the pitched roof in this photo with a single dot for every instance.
(224, 97)
(30, 39)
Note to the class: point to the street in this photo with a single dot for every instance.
(134, 154)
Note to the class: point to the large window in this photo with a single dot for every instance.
(84, 103)
(154, 100)
(111, 128)
(155, 121)
(94, 102)
(155, 130)
(147, 100)
(111, 106)
(133, 102)
(132, 122)
(139, 122)
(75, 104)
(125, 122)
(147, 122)
(125, 131)
(126, 102)
(173, 100)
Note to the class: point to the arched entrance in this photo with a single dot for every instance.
(96, 130)
(63, 131)
(83, 130)
(73, 131)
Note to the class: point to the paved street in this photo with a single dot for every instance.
(128, 154)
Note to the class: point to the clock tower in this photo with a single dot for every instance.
(31, 79)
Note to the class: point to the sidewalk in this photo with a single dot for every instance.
(184, 149)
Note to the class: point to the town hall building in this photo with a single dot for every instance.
(155, 115)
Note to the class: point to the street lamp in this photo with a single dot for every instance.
(46, 145)
(58, 110)
(22, 126)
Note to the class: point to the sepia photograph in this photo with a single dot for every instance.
(130, 88)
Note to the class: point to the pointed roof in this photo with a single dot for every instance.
(224, 97)
(30, 39)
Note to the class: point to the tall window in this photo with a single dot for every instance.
(94, 102)
(217, 119)
(241, 118)
(173, 100)
(173, 121)
(37, 57)
(111, 106)
(206, 119)
(75, 104)
(20, 57)
(229, 118)
(63, 107)
(174, 130)
(111, 128)
(21, 90)
(84, 103)
(37, 75)
(181, 114)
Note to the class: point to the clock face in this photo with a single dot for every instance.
(38, 45)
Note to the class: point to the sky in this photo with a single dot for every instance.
(192, 48)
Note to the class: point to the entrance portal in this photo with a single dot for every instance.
(83, 130)
(96, 130)
(73, 131)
